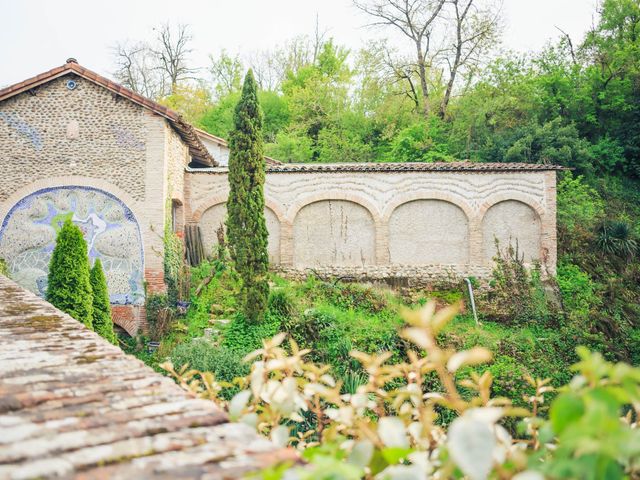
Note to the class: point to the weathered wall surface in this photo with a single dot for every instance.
(216, 216)
(334, 232)
(394, 224)
(102, 159)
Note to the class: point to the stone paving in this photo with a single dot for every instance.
(74, 406)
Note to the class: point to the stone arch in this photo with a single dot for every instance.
(428, 231)
(334, 232)
(214, 216)
(333, 195)
(111, 228)
(511, 220)
(72, 180)
(271, 204)
(399, 200)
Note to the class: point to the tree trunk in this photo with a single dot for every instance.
(422, 72)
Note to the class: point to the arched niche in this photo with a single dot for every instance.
(333, 232)
(426, 232)
(216, 216)
(511, 221)
(28, 235)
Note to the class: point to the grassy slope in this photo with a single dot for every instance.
(333, 319)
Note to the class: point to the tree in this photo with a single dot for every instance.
(102, 322)
(246, 225)
(192, 101)
(137, 70)
(69, 286)
(172, 50)
(474, 33)
(226, 73)
(154, 69)
(416, 20)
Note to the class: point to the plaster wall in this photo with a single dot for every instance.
(216, 216)
(380, 224)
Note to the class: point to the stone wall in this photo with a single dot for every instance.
(392, 224)
(90, 154)
(86, 131)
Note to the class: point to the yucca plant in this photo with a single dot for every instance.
(617, 238)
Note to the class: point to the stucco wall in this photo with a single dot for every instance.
(512, 222)
(424, 232)
(215, 216)
(333, 232)
(397, 223)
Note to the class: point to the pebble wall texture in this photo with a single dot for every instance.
(74, 406)
(84, 131)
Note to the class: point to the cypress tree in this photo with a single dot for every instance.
(69, 287)
(102, 322)
(246, 225)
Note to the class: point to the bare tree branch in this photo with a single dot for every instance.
(416, 20)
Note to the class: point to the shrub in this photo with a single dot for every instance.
(391, 425)
(203, 355)
(578, 292)
(516, 294)
(4, 270)
(617, 238)
(69, 286)
(281, 303)
(159, 315)
(102, 322)
(579, 206)
(244, 336)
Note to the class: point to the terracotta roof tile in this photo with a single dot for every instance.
(84, 409)
(411, 167)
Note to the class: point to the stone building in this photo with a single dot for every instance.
(74, 144)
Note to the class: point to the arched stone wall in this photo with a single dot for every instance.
(214, 216)
(511, 220)
(28, 232)
(428, 231)
(334, 232)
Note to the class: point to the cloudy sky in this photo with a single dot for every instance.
(37, 35)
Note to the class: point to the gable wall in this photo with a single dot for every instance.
(90, 138)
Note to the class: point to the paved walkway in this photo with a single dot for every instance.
(75, 406)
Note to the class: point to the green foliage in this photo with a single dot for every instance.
(578, 293)
(173, 261)
(554, 142)
(516, 292)
(617, 238)
(159, 315)
(203, 355)
(580, 206)
(102, 322)
(4, 270)
(592, 441)
(69, 286)
(246, 225)
(243, 336)
(420, 142)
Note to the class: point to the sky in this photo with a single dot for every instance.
(37, 35)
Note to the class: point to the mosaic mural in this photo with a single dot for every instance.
(27, 238)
